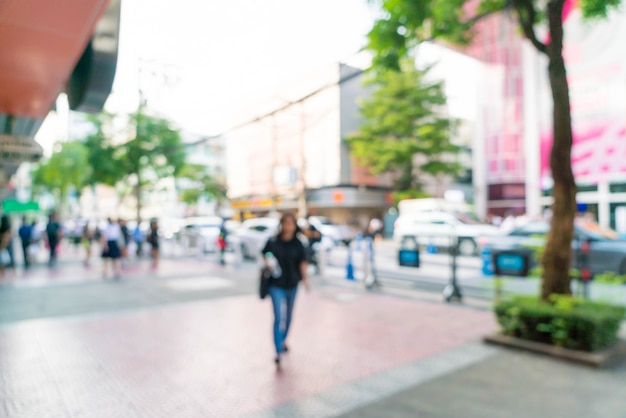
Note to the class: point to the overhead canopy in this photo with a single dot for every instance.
(41, 42)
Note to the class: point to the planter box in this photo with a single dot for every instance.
(597, 359)
(580, 325)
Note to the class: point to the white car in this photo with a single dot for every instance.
(254, 233)
(438, 229)
(202, 233)
(337, 233)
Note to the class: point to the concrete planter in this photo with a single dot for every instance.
(603, 358)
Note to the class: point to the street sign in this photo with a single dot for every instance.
(18, 149)
(511, 263)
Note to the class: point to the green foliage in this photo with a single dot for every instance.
(405, 23)
(565, 321)
(408, 194)
(101, 155)
(610, 277)
(199, 184)
(597, 9)
(67, 168)
(155, 152)
(402, 120)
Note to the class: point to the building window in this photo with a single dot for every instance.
(617, 188)
(582, 188)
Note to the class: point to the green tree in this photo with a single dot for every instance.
(405, 23)
(155, 152)
(66, 169)
(199, 183)
(102, 160)
(403, 129)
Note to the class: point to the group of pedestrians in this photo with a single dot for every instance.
(114, 240)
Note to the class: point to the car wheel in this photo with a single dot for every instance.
(467, 246)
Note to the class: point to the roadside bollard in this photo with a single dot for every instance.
(349, 264)
(430, 248)
(487, 258)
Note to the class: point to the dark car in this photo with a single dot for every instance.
(608, 253)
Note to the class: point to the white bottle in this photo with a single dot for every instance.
(273, 265)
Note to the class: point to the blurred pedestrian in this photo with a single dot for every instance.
(221, 242)
(86, 241)
(110, 241)
(26, 238)
(314, 238)
(125, 239)
(153, 240)
(138, 239)
(5, 242)
(54, 234)
(375, 228)
(284, 255)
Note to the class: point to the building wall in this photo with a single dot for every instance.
(298, 147)
(279, 152)
(501, 113)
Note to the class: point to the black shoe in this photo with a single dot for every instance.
(285, 348)
(277, 361)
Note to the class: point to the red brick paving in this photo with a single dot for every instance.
(215, 358)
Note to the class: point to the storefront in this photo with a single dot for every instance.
(347, 205)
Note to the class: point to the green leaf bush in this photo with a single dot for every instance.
(566, 321)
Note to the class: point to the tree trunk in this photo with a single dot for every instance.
(557, 255)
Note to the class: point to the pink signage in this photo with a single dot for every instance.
(596, 67)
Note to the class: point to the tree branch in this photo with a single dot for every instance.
(527, 16)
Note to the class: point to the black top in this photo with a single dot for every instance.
(153, 237)
(290, 255)
(52, 230)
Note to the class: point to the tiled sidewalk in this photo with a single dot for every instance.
(214, 358)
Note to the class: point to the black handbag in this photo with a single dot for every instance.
(264, 282)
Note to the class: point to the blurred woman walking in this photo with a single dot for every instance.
(285, 257)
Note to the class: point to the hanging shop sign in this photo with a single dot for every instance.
(19, 149)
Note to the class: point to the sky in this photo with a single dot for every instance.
(201, 62)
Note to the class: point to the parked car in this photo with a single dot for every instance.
(438, 229)
(253, 234)
(203, 232)
(337, 233)
(607, 252)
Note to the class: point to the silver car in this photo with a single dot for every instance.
(607, 254)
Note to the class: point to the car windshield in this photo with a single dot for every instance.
(467, 218)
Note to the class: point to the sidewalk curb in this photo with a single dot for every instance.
(359, 393)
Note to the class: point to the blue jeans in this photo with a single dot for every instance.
(282, 301)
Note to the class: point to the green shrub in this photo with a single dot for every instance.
(567, 321)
